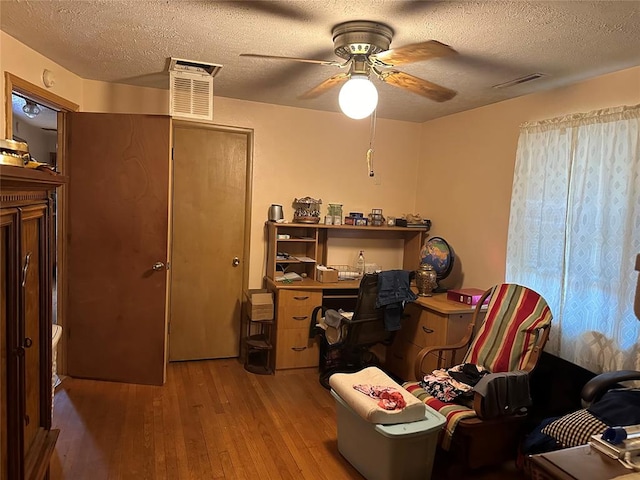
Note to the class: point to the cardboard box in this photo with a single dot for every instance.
(327, 276)
(259, 305)
(468, 296)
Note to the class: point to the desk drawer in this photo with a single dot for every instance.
(294, 318)
(431, 329)
(297, 298)
(296, 350)
(295, 308)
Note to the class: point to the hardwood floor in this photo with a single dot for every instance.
(211, 420)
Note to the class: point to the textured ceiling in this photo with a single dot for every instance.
(131, 41)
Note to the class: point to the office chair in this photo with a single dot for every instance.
(515, 329)
(347, 348)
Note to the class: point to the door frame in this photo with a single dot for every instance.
(62, 106)
(246, 247)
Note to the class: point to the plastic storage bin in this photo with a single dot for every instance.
(404, 451)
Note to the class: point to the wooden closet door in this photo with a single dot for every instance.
(209, 204)
(118, 220)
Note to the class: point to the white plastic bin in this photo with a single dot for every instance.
(404, 451)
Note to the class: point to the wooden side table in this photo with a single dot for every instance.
(577, 463)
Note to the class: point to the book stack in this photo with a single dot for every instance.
(468, 296)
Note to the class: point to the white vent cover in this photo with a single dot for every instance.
(191, 89)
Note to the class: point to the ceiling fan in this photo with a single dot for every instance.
(364, 46)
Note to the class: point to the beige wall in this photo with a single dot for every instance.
(105, 97)
(299, 152)
(467, 165)
(22, 61)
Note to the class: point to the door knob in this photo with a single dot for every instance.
(158, 266)
(236, 261)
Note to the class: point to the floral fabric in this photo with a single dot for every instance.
(390, 398)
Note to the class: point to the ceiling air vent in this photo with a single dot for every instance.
(191, 88)
(518, 81)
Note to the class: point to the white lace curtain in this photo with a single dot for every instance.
(574, 232)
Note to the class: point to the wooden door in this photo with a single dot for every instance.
(209, 204)
(118, 207)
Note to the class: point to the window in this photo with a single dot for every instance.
(574, 232)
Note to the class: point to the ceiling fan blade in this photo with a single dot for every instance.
(417, 85)
(295, 59)
(324, 86)
(416, 52)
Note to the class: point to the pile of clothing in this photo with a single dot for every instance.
(455, 383)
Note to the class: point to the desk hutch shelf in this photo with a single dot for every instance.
(305, 245)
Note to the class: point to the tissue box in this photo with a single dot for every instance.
(327, 276)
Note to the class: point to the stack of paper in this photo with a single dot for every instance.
(289, 277)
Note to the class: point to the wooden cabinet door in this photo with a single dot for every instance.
(118, 221)
(36, 342)
(26, 441)
(8, 314)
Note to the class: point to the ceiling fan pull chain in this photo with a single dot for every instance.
(371, 139)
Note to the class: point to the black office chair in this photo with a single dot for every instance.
(356, 335)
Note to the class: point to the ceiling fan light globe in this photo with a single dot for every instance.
(358, 97)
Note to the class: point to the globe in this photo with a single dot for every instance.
(437, 253)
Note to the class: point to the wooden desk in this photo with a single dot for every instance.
(577, 463)
(429, 321)
(294, 304)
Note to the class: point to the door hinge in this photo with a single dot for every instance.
(171, 153)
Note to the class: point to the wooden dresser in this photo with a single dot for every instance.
(26, 438)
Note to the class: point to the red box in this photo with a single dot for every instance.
(468, 296)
